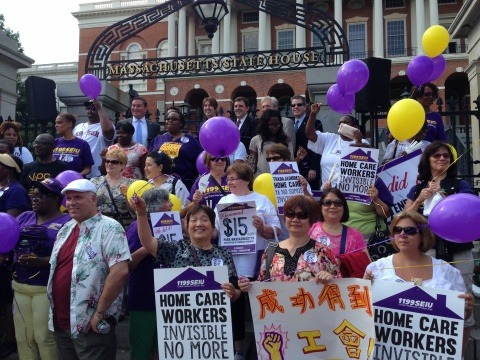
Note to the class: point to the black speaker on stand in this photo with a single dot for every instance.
(374, 97)
(41, 99)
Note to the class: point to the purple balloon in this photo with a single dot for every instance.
(219, 136)
(352, 76)
(90, 86)
(10, 231)
(439, 66)
(338, 102)
(201, 167)
(456, 218)
(420, 70)
(67, 176)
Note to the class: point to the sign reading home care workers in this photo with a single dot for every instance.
(193, 313)
(358, 169)
(413, 322)
(285, 181)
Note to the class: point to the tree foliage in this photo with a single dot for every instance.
(10, 33)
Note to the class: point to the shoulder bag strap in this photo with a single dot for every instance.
(113, 201)
(270, 252)
(174, 183)
(195, 255)
(343, 242)
(218, 185)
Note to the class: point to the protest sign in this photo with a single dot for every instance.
(237, 232)
(416, 322)
(305, 320)
(167, 224)
(358, 169)
(193, 313)
(285, 181)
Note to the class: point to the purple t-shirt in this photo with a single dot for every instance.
(75, 153)
(211, 192)
(141, 287)
(41, 239)
(184, 152)
(436, 129)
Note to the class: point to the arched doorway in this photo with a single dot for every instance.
(283, 93)
(194, 98)
(249, 93)
(456, 86)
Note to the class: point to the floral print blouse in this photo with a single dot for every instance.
(307, 261)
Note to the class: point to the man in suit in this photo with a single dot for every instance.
(270, 102)
(247, 125)
(310, 166)
(145, 131)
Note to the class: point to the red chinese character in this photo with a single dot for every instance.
(302, 299)
(359, 299)
(331, 294)
(268, 301)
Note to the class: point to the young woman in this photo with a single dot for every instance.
(11, 131)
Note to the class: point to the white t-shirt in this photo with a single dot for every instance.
(329, 145)
(445, 276)
(92, 133)
(25, 155)
(181, 190)
(245, 264)
(240, 153)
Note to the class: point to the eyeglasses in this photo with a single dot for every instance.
(231, 179)
(172, 119)
(113, 162)
(430, 94)
(297, 105)
(439, 155)
(336, 203)
(409, 230)
(274, 158)
(219, 159)
(301, 215)
(40, 197)
(273, 126)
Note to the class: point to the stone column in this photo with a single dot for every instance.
(299, 33)
(378, 48)
(171, 36)
(182, 32)
(420, 21)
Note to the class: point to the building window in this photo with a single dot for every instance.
(162, 50)
(134, 52)
(396, 38)
(250, 41)
(357, 40)
(392, 4)
(316, 42)
(285, 39)
(249, 16)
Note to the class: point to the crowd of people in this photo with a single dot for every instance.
(81, 242)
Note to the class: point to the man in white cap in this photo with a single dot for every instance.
(89, 265)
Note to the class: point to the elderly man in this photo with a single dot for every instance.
(89, 266)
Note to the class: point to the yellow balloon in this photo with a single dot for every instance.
(138, 187)
(177, 204)
(405, 119)
(263, 184)
(454, 152)
(435, 40)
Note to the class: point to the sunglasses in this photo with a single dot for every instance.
(274, 158)
(219, 159)
(336, 203)
(297, 105)
(444, 155)
(409, 230)
(301, 215)
(113, 162)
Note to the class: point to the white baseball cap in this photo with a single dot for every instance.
(81, 185)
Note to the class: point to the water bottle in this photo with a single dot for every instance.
(24, 248)
(103, 327)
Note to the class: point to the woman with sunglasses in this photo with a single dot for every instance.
(330, 231)
(299, 257)
(412, 238)
(182, 148)
(270, 131)
(112, 188)
(38, 231)
(426, 94)
(209, 188)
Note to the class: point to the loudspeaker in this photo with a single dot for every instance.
(41, 100)
(374, 96)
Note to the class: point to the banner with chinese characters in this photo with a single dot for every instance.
(237, 232)
(305, 320)
(193, 313)
(400, 175)
(358, 169)
(413, 322)
(285, 181)
(167, 224)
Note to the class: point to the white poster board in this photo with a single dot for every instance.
(237, 232)
(167, 224)
(285, 181)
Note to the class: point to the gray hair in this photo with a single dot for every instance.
(156, 199)
(273, 99)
